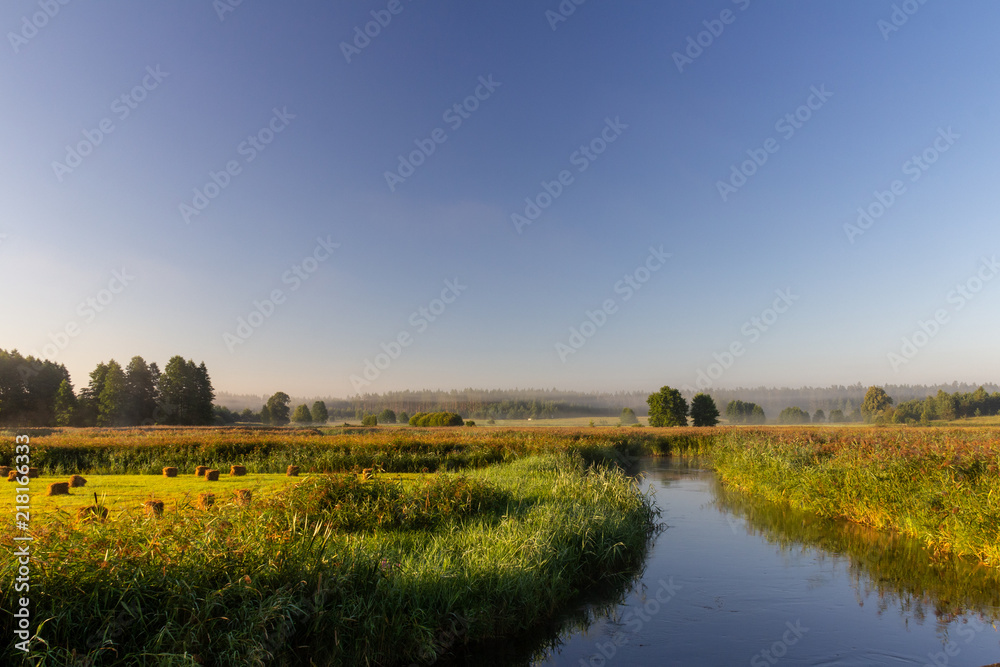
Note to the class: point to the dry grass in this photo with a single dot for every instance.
(153, 507)
(58, 489)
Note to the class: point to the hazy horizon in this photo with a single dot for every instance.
(503, 195)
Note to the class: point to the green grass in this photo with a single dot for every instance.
(342, 571)
(937, 485)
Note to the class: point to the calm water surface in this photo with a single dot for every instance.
(735, 582)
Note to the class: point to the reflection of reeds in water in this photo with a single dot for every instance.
(895, 570)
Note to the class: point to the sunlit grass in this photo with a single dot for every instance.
(343, 570)
(939, 485)
(120, 493)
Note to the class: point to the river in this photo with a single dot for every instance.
(730, 581)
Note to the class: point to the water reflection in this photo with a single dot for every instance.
(747, 571)
(891, 571)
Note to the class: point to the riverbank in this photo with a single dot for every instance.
(337, 570)
(941, 486)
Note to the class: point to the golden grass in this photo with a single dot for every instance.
(121, 492)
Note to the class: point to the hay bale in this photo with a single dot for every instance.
(212, 475)
(170, 472)
(75, 481)
(242, 497)
(200, 471)
(4, 471)
(237, 471)
(12, 476)
(92, 513)
(293, 471)
(367, 473)
(153, 507)
(58, 489)
(33, 473)
(205, 500)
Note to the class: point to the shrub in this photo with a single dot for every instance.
(436, 419)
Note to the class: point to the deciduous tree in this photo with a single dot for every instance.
(875, 403)
(302, 415)
(667, 408)
(320, 414)
(277, 408)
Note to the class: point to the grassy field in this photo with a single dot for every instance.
(469, 534)
(127, 493)
(330, 568)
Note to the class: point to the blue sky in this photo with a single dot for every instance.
(207, 89)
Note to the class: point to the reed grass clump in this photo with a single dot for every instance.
(938, 485)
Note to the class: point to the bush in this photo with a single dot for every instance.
(436, 419)
(369, 420)
(794, 415)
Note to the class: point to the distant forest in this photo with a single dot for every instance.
(557, 404)
(36, 392)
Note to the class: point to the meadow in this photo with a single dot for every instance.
(393, 567)
(461, 536)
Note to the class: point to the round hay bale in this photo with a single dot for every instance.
(212, 475)
(170, 472)
(92, 513)
(76, 481)
(205, 500)
(33, 473)
(242, 497)
(200, 471)
(4, 471)
(12, 476)
(293, 471)
(58, 489)
(153, 507)
(237, 471)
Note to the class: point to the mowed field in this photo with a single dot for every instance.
(127, 493)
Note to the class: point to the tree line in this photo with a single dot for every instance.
(36, 392)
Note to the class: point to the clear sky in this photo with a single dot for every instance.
(168, 168)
